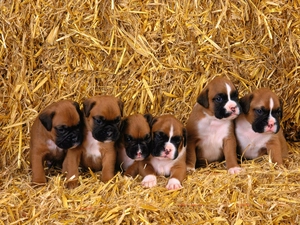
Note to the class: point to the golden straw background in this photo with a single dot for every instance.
(156, 56)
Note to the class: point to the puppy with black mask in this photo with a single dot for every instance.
(57, 128)
(134, 144)
(210, 126)
(258, 127)
(102, 117)
(168, 153)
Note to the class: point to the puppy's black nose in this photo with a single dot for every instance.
(109, 133)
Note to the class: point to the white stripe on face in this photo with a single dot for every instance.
(171, 133)
(271, 105)
(272, 126)
(228, 88)
(170, 149)
(231, 106)
(271, 118)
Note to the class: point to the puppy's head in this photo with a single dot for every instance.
(169, 137)
(136, 136)
(220, 98)
(64, 121)
(263, 110)
(103, 117)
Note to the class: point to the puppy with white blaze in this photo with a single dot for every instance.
(210, 127)
(258, 127)
(168, 153)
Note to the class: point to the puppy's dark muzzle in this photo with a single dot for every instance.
(68, 141)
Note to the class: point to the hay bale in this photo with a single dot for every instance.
(156, 56)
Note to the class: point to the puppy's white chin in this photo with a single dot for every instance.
(163, 158)
(139, 159)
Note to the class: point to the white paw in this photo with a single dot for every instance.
(173, 184)
(149, 181)
(235, 170)
(190, 169)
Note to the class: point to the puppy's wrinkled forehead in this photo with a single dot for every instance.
(221, 85)
(107, 108)
(66, 114)
(168, 125)
(137, 125)
(265, 98)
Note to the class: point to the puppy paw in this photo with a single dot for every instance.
(190, 169)
(149, 181)
(72, 184)
(235, 170)
(173, 184)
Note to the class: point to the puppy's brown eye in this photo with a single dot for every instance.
(118, 120)
(98, 120)
(128, 138)
(259, 112)
(147, 138)
(218, 99)
(60, 129)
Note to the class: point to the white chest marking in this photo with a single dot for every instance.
(212, 131)
(92, 146)
(52, 146)
(162, 166)
(249, 141)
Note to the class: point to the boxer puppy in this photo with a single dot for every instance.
(134, 144)
(258, 127)
(168, 153)
(210, 127)
(56, 129)
(102, 117)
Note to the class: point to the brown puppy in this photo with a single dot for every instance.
(258, 127)
(102, 117)
(134, 144)
(56, 129)
(168, 153)
(210, 128)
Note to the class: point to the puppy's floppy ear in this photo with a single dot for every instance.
(76, 105)
(149, 118)
(87, 106)
(184, 135)
(46, 119)
(203, 98)
(79, 112)
(121, 105)
(123, 124)
(245, 102)
(153, 121)
(281, 108)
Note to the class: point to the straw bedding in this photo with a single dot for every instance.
(156, 56)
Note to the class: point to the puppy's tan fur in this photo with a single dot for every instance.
(210, 139)
(259, 144)
(42, 141)
(93, 154)
(174, 168)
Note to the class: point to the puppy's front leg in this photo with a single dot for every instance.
(147, 171)
(108, 165)
(273, 149)
(191, 156)
(178, 173)
(133, 170)
(70, 166)
(37, 161)
(229, 149)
